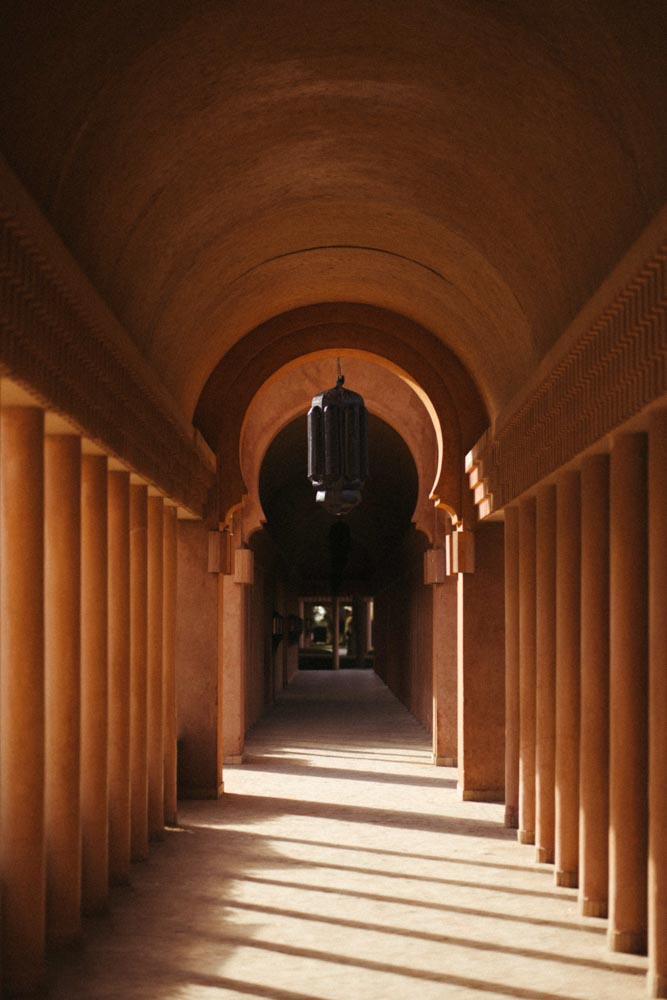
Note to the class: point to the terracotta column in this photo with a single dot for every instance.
(201, 657)
(594, 751)
(62, 667)
(233, 667)
(139, 669)
(481, 670)
(527, 624)
(545, 646)
(628, 680)
(335, 639)
(360, 626)
(154, 662)
(119, 675)
(169, 658)
(512, 667)
(94, 689)
(22, 868)
(568, 597)
(657, 869)
(444, 667)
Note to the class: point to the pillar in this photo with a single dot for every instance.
(657, 869)
(335, 634)
(154, 664)
(62, 668)
(527, 681)
(594, 749)
(233, 650)
(200, 661)
(444, 667)
(628, 679)
(169, 659)
(94, 690)
(568, 591)
(138, 669)
(512, 668)
(119, 675)
(360, 627)
(545, 681)
(481, 673)
(22, 868)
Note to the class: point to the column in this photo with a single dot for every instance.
(94, 690)
(527, 636)
(657, 869)
(154, 663)
(568, 591)
(201, 657)
(360, 626)
(335, 637)
(138, 669)
(481, 669)
(628, 709)
(594, 750)
(62, 668)
(545, 692)
(119, 675)
(169, 658)
(233, 648)
(444, 667)
(512, 667)
(22, 697)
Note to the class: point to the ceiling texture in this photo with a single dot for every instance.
(436, 186)
(475, 168)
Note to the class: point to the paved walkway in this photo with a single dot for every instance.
(340, 865)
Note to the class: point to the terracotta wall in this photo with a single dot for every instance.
(197, 665)
(403, 631)
(264, 659)
(481, 669)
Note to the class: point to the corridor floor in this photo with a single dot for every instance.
(340, 865)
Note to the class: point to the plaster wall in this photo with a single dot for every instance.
(481, 674)
(403, 633)
(197, 676)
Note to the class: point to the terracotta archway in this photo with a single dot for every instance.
(357, 330)
(388, 395)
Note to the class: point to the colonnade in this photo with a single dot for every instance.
(87, 696)
(586, 647)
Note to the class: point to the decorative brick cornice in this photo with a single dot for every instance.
(614, 370)
(53, 344)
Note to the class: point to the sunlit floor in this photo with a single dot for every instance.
(341, 865)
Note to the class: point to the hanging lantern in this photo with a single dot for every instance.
(337, 447)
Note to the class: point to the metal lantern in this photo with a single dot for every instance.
(338, 447)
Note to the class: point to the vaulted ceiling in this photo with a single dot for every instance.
(476, 167)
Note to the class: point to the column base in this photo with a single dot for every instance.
(544, 855)
(511, 818)
(196, 792)
(234, 758)
(444, 761)
(628, 942)
(567, 880)
(482, 794)
(526, 836)
(657, 985)
(593, 907)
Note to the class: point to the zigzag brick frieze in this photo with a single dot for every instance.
(616, 369)
(49, 344)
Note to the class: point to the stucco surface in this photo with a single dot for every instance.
(477, 168)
